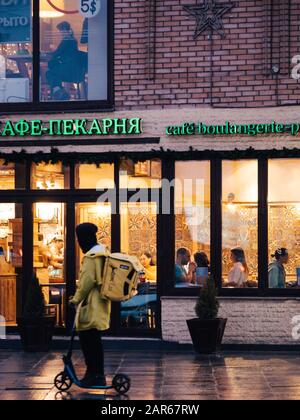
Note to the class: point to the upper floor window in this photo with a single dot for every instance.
(53, 51)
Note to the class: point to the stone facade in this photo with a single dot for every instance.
(253, 321)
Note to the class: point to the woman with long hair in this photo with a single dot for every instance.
(238, 275)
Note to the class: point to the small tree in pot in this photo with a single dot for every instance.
(207, 330)
(36, 329)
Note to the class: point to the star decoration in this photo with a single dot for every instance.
(208, 16)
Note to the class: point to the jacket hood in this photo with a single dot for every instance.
(97, 251)
(276, 264)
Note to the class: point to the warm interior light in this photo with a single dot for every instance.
(47, 211)
(7, 211)
(102, 211)
(47, 11)
(230, 204)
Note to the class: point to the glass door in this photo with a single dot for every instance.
(139, 238)
(49, 239)
(11, 261)
(136, 234)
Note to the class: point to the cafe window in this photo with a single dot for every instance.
(100, 215)
(240, 224)
(139, 238)
(72, 50)
(134, 175)
(192, 223)
(16, 52)
(49, 255)
(48, 176)
(284, 218)
(10, 259)
(95, 177)
(12, 176)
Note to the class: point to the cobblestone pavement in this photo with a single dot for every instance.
(159, 375)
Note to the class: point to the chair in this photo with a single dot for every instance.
(78, 76)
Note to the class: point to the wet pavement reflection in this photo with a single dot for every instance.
(159, 375)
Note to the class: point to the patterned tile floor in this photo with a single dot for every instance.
(159, 375)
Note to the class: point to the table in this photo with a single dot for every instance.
(22, 61)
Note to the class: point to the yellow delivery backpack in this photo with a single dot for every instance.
(120, 277)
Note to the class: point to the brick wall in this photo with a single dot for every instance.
(250, 321)
(183, 71)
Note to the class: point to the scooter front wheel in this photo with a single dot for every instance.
(121, 384)
(63, 382)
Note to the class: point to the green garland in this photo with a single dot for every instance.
(96, 158)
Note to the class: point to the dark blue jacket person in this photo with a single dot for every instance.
(63, 64)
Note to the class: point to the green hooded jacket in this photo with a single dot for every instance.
(277, 275)
(93, 311)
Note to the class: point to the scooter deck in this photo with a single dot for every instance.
(77, 382)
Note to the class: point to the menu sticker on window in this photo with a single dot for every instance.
(89, 8)
(15, 21)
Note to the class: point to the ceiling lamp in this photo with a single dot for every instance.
(48, 12)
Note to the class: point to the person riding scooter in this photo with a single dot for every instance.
(93, 312)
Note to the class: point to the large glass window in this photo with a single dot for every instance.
(47, 176)
(49, 255)
(284, 222)
(12, 176)
(134, 175)
(100, 215)
(192, 229)
(73, 43)
(10, 259)
(72, 51)
(240, 223)
(95, 177)
(139, 238)
(16, 51)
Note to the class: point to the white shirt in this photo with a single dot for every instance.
(237, 275)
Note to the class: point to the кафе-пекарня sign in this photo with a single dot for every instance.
(133, 126)
(71, 127)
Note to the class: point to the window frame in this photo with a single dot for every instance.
(169, 289)
(165, 228)
(36, 106)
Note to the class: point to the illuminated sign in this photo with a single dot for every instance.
(229, 129)
(71, 127)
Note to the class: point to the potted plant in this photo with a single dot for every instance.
(207, 330)
(36, 328)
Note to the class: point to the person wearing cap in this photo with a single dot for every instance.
(93, 311)
(57, 253)
(277, 274)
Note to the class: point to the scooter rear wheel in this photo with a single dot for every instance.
(121, 384)
(63, 382)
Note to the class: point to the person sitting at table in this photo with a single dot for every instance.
(202, 270)
(62, 65)
(149, 266)
(183, 275)
(277, 273)
(56, 259)
(238, 275)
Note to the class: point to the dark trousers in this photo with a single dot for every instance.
(92, 349)
(56, 74)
